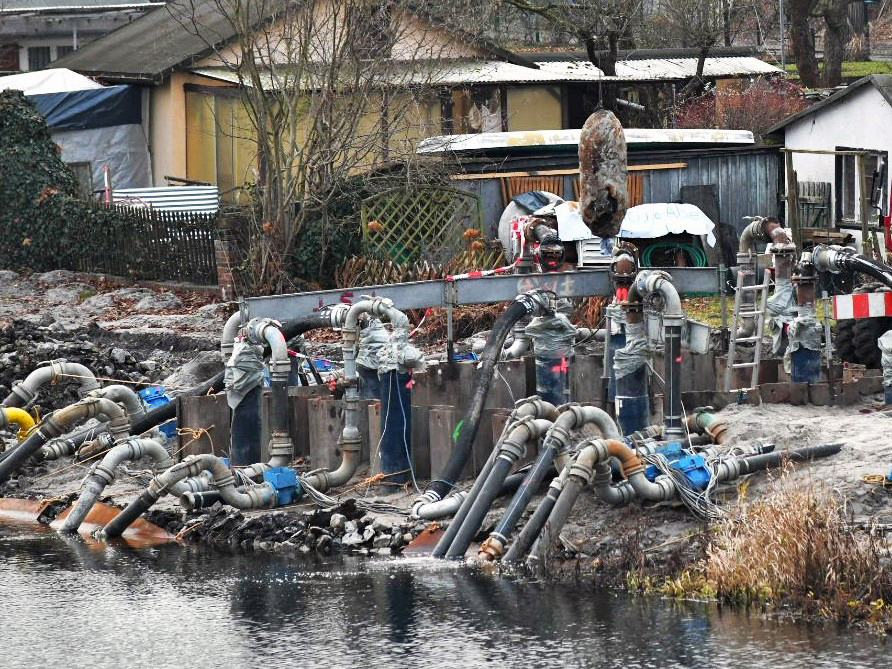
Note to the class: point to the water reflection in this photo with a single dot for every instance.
(68, 602)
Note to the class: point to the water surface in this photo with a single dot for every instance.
(70, 604)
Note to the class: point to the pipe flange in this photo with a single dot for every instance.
(582, 472)
(492, 549)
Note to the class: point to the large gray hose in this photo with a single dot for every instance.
(351, 440)
(102, 474)
(122, 395)
(62, 421)
(23, 392)
(261, 496)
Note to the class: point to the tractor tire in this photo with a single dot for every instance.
(866, 331)
(845, 341)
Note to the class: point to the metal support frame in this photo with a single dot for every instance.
(479, 290)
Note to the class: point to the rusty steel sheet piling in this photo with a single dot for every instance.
(603, 192)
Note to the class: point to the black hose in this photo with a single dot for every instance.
(20, 454)
(474, 519)
(117, 525)
(767, 460)
(878, 271)
(482, 380)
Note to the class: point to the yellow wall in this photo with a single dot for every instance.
(534, 108)
(167, 126)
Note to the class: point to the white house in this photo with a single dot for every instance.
(858, 117)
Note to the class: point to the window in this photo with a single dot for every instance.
(848, 188)
(473, 110)
(63, 51)
(39, 57)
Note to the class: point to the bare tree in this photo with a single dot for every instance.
(330, 88)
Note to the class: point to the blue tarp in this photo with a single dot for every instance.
(95, 108)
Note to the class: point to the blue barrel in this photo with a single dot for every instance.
(551, 379)
(632, 403)
(805, 365)
(369, 383)
(396, 426)
(244, 444)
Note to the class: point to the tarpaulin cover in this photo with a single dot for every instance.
(885, 344)
(804, 332)
(122, 147)
(244, 371)
(617, 316)
(634, 354)
(96, 108)
(372, 339)
(646, 221)
(781, 308)
(399, 354)
(552, 336)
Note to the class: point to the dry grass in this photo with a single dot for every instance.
(793, 548)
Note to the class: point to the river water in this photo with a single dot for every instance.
(70, 604)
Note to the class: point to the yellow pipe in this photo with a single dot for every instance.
(20, 417)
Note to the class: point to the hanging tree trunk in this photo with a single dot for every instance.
(802, 39)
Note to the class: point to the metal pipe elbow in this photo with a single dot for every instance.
(121, 394)
(435, 510)
(748, 237)
(230, 330)
(266, 330)
(18, 417)
(655, 281)
(629, 460)
(703, 422)
(615, 495)
(658, 491)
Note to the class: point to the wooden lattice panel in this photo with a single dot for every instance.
(410, 225)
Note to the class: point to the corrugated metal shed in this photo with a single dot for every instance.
(746, 178)
(199, 199)
(666, 69)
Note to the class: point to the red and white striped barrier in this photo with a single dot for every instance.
(862, 305)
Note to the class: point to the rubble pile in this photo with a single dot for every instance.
(341, 529)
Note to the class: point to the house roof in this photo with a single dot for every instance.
(882, 82)
(435, 73)
(157, 43)
(668, 69)
(72, 6)
(526, 139)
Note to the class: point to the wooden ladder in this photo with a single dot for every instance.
(758, 316)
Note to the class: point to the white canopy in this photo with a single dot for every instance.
(56, 80)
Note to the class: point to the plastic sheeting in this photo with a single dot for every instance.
(372, 339)
(123, 148)
(617, 316)
(885, 344)
(781, 308)
(97, 108)
(805, 332)
(244, 371)
(399, 354)
(658, 219)
(552, 336)
(634, 354)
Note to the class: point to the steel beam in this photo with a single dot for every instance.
(481, 290)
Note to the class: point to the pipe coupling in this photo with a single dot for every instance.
(105, 473)
(119, 426)
(492, 549)
(20, 390)
(280, 445)
(536, 302)
(729, 469)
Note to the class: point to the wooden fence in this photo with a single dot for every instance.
(148, 244)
